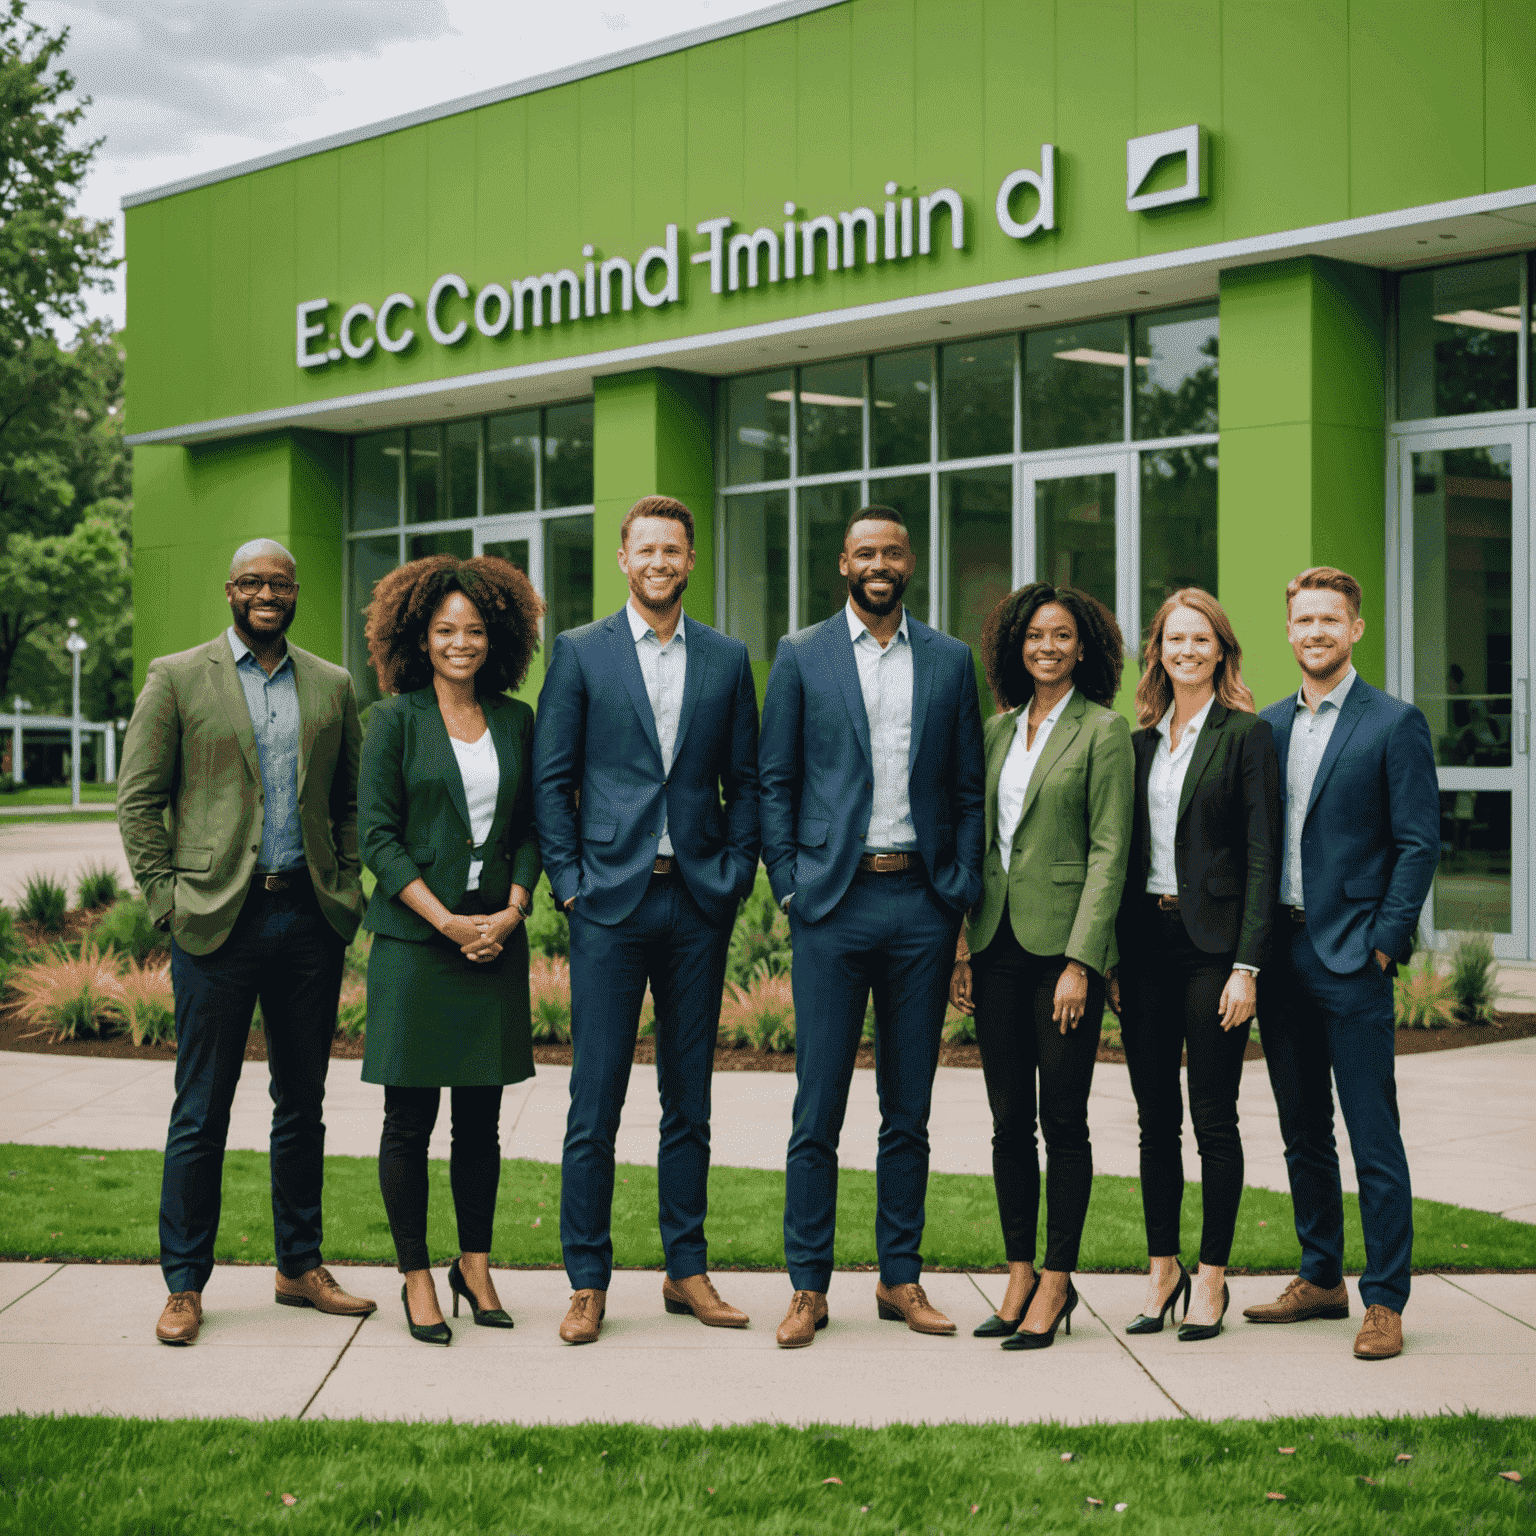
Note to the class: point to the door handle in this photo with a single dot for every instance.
(1522, 731)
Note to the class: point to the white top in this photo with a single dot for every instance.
(885, 679)
(1309, 740)
(1165, 784)
(664, 669)
(1013, 782)
(480, 769)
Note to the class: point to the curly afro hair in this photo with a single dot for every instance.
(405, 600)
(1002, 644)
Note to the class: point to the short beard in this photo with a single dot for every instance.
(243, 620)
(868, 604)
(637, 591)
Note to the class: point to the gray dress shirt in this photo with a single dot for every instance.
(664, 668)
(273, 703)
(1309, 740)
(885, 679)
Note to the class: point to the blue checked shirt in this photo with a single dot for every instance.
(274, 706)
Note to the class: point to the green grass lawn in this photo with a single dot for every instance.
(58, 794)
(76, 1203)
(133, 1477)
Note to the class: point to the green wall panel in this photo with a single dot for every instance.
(1509, 111)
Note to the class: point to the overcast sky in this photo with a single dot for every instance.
(183, 86)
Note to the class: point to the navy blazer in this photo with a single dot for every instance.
(601, 797)
(1371, 839)
(818, 770)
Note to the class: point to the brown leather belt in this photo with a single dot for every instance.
(887, 863)
(1165, 903)
(664, 867)
(1296, 914)
(283, 882)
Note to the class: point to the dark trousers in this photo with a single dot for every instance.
(668, 942)
(890, 936)
(474, 1167)
(1311, 1019)
(1170, 994)
(283, 952)
(1014, 993)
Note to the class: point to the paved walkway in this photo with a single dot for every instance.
(58, 848)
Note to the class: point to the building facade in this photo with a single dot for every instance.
(1127, 293)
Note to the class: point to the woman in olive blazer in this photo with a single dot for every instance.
(445, 819)
(1032, 961)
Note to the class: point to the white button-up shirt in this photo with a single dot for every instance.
(1165, 784)
(885, 679)
(1018, 766)
(1309, 740)
(664, 669)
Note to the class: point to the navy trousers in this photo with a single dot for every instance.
(284, 952)
(668, 942)
(890, 936)
(1310, 1021)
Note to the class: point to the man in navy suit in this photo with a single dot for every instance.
(646, 722)
(873, 823)
(1361, 807)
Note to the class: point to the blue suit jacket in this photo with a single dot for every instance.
(818, 770)
(601, 797)
(1371, 840)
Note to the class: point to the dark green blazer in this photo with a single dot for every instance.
(413, 819)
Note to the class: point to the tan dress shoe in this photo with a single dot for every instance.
(1299, 1301)
(908, 1304)
(181, 1319)
(584, 1320)
(807, 1314)
(1381, 1334)
(698, 1296)
(317, 1288)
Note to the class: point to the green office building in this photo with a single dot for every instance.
(1131, 294)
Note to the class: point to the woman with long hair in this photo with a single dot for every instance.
(1193, 931)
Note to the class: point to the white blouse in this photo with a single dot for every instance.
(1018, 767)
(1165, 786)
(480, 769)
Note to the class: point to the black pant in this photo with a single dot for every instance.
(1014, 992)
(474, 1167)
(1170, 996)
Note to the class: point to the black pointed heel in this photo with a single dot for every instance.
(1023, 1340)
(1141, 1323)
(425, 1333)
(1190, 1332)
(999, 1327)
(485, 1317)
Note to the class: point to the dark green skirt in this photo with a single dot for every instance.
(437, 1020)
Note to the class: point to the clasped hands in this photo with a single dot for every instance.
(482, 936)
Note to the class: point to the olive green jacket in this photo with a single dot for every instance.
(189, 794)
(1063, 881)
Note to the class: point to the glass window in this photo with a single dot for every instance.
(1074, 385)
(1458, 335)
(568, 455)
(832, 418)
(757, 427)
(824, 514)
(757, 571)
(1176, 354)
(371, 559)
(425, 499)
(1178, 524)
(899, 424)
(458, 542)
(511, 445)
(976, 506)
(567, 573)
(1472, 881)
(976, 398)
(513, 550)
(462, 476)
(908, 494)
(376, 479)
(1075, 534)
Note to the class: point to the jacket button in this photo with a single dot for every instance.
(255, 847)
(469, 842)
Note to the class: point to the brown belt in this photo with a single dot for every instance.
(887, 863)
(283, 882)
(1165, 903)
(1296, 914)
(664, 867)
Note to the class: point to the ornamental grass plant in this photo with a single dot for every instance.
(126, 927)
(1422, 998)
(67, 996)
(760, 1015)
(97, 886)
(549, 994)
(147, 1003)
(44, 901)
(1474, 976)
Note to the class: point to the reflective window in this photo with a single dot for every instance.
(757, 414)
(831, 418)
(376, 480)
(461, 477)
(976, 506)
(1176, 356)
(1178, 525)
(1458, 336)
(458, 542)
(371, 559)
(567, 574)
(824, 514)
(1074, 385)
(976, 398)
(511, 449)
(1472, 880)
(568, 455)
(424, 495)
(757, 559)
(1075, 534)
(900, 426)
(908, 494)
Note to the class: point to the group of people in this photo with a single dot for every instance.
(1214, 863)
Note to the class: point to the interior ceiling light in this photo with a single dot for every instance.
(1505, 318)
(810, 397)
(1093, 355)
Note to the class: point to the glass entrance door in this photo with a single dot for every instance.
(516, 539)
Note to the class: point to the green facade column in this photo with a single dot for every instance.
(1303, 445)
(652, 435)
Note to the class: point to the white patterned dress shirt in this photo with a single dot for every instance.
(664, 669)
(1309, 740)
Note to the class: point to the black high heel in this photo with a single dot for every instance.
(998, 1327)
(1190, 1332)
(1023, 1340)
(1141, 1323)
(426, 1333)
(485, 1317)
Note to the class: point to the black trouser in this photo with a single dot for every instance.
(1170, 995)
(474, 1167)
(1014, 992)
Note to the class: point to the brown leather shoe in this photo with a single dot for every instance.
(807, 1314)
(698, 1296)
(182, 1317)
(317, 1288)
(908, 1304)
(584, 1321)
(1299, 1301)
(1381, 1334)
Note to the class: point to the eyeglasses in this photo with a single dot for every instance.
(249, 586)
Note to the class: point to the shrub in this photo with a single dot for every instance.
(549, 930)
(760, 1015)
(147, 1004)
(126, 927)
(1422, 998)
(549, 990)
(1474, 978)
(64, 997)
(959, 1028)
(97, 886)
(11, 944)
(760, 937)
(352, 1007)
(44, 901)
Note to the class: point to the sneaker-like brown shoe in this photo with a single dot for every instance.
(908, 1304)
(584, 1320)
(317, 1288)
(807, 1314)
(1299, 1301)
(1381, 1334)
(698, 1296)
(181, 1319)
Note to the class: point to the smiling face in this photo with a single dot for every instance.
(657, 558)
(1190, 651)
(1322, 632)
(878, 562)
(457, 643)
(267, 609)
(1051, 645)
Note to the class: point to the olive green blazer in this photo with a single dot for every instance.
(414, 820)
(1063, 882)
(189, 794)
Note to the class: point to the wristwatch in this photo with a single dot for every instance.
(526, 911)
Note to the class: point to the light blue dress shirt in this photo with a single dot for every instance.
(885, 679)
(1310, 735)
(273, 703)
(665, 669)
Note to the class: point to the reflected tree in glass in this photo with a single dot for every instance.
(1074, 383)
(1458, 339)
(568, 455)
(376, 462)
(425, 498)
(1177, 354)
(900, 424)
(458, 542)
(567, 573)
(832, 417)
(757, 427)
(976, 508)
(824, 511)
(511, 446)
(757, 571)
(908, 494)
(462, 474)
(976, 398)
(370, 560)
(1075, 534)
(1178, 525)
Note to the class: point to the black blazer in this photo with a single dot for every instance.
(1227, 844)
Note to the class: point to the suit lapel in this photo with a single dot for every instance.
(634, 680)
(997, 755)
(498, 719)
(922, 683)
(1200, 759)
(311, 707)
(1061, 737)
(845, 669)
(439, 751)
(695, 670)
(226, 683)
(1283, 742)
(1349, 717)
